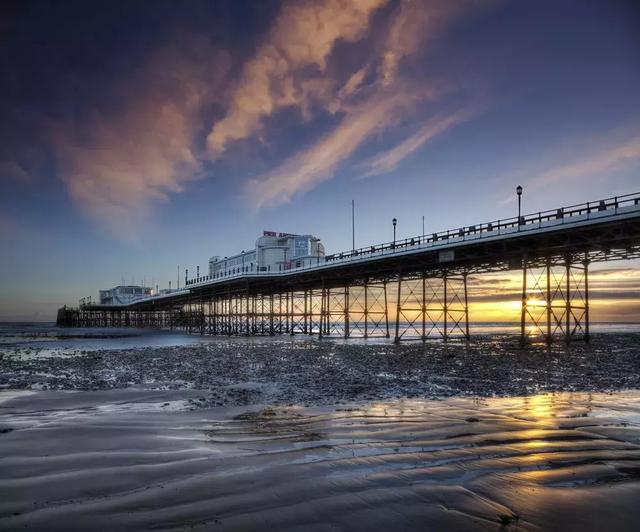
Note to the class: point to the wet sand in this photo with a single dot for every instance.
(286, 370)
(136, 459)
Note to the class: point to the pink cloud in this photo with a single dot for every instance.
(117, 165)
(387, 101)
(302, 37)
(414, 23)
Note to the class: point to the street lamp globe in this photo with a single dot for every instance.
(519, 190)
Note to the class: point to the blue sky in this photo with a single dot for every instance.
(138, 137)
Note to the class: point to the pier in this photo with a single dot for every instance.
(409, 289)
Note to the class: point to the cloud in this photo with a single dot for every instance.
(366, 108)
(11, 169)
(388, 160)
(301, 39)
(415, 22)
(138, 138)
(625, 154)
(117, 163)
(311, 166)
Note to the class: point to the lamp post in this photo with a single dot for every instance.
(394, 222)
(519, 192)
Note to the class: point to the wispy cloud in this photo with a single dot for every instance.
(388, 160)
(622, 155)
(318, 163)
(301, 39)
(384, 102)
(11, 169)
(120, 160)
(415, 23)
(117, 164)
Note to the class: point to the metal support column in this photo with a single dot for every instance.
(568, 301)
(523, 310)
(322, 310)
(466, 306)
(424, 306)
(397, 337)
(386, 308)
(346, 311)
(366, 308)
(549, 301)
(446, 309)
(587, 336)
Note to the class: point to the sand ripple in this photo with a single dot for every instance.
(550, 462)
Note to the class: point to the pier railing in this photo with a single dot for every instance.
(564, 215)
(591, 210)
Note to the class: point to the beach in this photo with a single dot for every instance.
(146, 430)
(301, 370)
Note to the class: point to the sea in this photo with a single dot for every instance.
(45, 336)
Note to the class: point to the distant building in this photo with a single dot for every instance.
(274, 252)
(121, 295)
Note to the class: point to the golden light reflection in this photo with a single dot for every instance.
(539, 406)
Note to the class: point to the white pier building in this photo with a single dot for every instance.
(274, 252)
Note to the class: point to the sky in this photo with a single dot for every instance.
(139, 138)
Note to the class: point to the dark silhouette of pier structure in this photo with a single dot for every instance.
(410, 289)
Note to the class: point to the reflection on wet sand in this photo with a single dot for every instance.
(567, 461)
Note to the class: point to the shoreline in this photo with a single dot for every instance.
(239, 371)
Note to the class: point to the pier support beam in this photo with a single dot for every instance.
(555, 300)
(431, 306)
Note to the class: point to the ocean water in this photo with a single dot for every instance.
(45, 338)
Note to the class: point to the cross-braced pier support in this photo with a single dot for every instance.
(355, 310)
(555, 300)
(430, 306)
